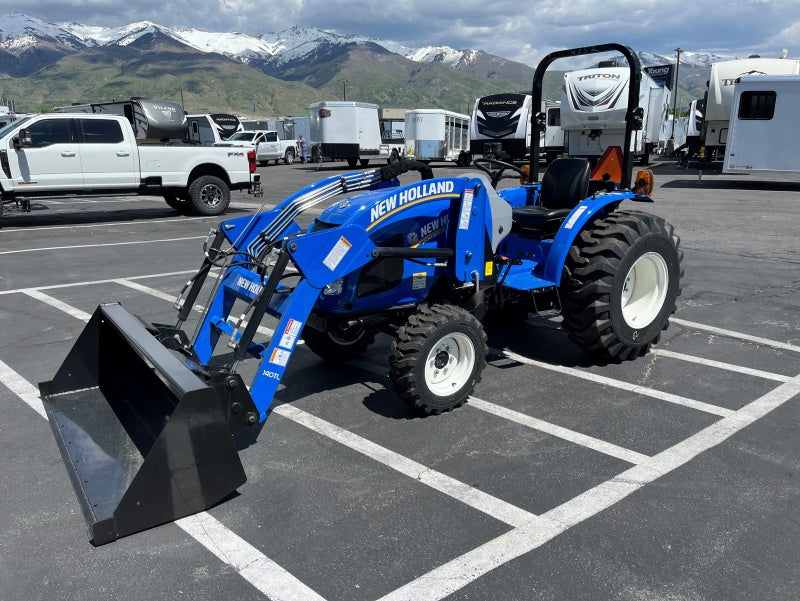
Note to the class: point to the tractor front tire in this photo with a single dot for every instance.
(437, 358)
(622, 278)
(338, 346)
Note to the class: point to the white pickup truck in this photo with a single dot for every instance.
(60, 153)
(266, 143)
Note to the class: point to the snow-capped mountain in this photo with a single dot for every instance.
(19, 32)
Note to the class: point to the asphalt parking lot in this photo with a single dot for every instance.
(672, 477)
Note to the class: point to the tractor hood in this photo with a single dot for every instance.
(372, 208)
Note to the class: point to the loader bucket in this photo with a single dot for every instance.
(144, 438)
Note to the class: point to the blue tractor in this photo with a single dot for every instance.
(145, 415)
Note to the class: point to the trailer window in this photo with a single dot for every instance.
(757, 105)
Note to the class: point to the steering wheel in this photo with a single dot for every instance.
(495, 169)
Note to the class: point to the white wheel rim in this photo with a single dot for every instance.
(449, 364)
(644, 290)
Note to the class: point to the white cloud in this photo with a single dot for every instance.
(509, 28)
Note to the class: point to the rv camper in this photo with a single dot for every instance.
(152, 120)
(350, 131)
(593, 109)
(764, 126)
(209, 129)
(501, 126)
(437, 135)
(719, 97)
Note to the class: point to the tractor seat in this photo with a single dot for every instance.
(564, 185)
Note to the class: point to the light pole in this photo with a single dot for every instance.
(344, 89)
(675, 101)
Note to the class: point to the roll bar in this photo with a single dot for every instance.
(633, 101)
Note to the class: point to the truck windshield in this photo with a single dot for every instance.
(242, 136)
(12, 125)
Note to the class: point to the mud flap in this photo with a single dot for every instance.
(145, 439)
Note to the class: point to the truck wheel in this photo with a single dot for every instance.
(352, 161)
(622, 278)
(364, 162)
(288, 158)
(209, 195)
(179, 203)
(438, 357)
(338, 346)
(393, 158)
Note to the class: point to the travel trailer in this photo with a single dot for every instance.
(593, 109)
(437, 135)
(501, 126)
(152, 120)
(764, 126)
(719, 97)
(212, 128)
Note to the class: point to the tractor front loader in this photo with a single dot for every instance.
(144, 414)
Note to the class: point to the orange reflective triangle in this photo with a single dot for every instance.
(609, 167)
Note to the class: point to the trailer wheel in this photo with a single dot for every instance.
(622, 278)
(338, 346)
(352, 161)
(209, 195)
(438, 357)
(179, 203)
(364, 162)
(288, 158)
(393, 158)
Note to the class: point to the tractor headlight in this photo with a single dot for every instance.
(334, 288)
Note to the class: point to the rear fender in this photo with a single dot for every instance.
(583, 213)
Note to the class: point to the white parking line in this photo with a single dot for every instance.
(643, 390)
(595, 444)
(459, 572)
(31, 250)
(147, 222)
(98, 282)
(477, 499)
(583, 440)
(733, 334)
(250, 563)
(22, 388)
(720, 365)
(146, 289)
(57, 304)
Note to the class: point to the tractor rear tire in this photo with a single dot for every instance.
(338, 346)
(437, 358)
(621, 281)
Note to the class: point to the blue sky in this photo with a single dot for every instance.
(523, 31)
